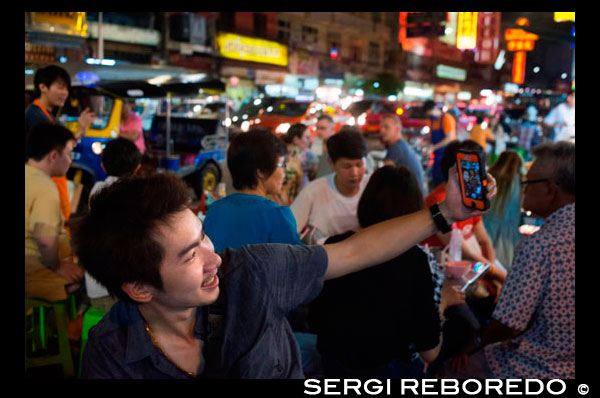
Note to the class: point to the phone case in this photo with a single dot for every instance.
(467, 176)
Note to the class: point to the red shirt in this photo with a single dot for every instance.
(466, 226)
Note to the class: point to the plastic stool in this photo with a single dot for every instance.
(91, 317)
(36, 334)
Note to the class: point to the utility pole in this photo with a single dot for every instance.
(212, 27)
(100, 38)
(166, 31)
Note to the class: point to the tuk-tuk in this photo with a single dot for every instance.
(86, 168)
(191, 146)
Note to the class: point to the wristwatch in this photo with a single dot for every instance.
(439, 220)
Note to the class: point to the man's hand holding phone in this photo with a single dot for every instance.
(452, 208)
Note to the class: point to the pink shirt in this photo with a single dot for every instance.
(134, 122)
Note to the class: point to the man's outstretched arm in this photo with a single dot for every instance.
(386, 240)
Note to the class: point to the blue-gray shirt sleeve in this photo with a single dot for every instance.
(403, 155)
(291, 274)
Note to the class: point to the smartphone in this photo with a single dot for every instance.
(473, 184)
(477, 272)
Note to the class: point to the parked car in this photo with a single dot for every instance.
(368, 113)
(248, 111)
(284, 112)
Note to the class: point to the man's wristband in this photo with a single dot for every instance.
(439, 220)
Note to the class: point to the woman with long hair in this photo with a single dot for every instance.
(503, 219)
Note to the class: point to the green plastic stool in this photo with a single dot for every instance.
(36, 333)
(91, 317)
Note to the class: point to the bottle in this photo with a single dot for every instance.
(455, 251)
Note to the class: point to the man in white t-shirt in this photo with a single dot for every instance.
(328, 204)
(562, 119)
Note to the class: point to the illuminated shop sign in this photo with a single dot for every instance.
(564, 16)
(449, 72)
(67, 23)
(251, 49)
(518, 75)
(466, 34)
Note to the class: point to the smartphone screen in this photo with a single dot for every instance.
(471, 176)
(472, 180)
(476, 272)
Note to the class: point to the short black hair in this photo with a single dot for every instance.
(116, 241)
(392, 191)
(428, 105)
(347, 143)
(121, 157)
(450, 151)
(48, 75)
(43, 138)
(258, 149)
(295, 130)
(560, 157)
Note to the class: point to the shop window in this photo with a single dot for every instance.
(283, 31)
(260, 25)
(309, 35)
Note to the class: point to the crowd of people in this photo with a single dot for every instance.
(313, 267)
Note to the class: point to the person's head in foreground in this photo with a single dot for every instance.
(391, 192)
(143, 243)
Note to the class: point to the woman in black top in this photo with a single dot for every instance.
(371, 324)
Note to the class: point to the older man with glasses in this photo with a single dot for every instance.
(532, 333)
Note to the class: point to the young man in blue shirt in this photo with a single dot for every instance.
(148, 248)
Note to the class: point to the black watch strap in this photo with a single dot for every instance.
(439, 220)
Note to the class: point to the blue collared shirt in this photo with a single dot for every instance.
(259, 285)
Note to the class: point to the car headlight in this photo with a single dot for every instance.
(425, 130)
(97, 147)
(282, 128)
(351, 121)
(362, 119)
(245, 126)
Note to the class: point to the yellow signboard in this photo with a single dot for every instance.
(466, 34)
(252, 49)
(564, 16)
(71, 23)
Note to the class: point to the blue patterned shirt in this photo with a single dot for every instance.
(538, 298)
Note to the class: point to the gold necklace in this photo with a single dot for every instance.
(157, 345)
